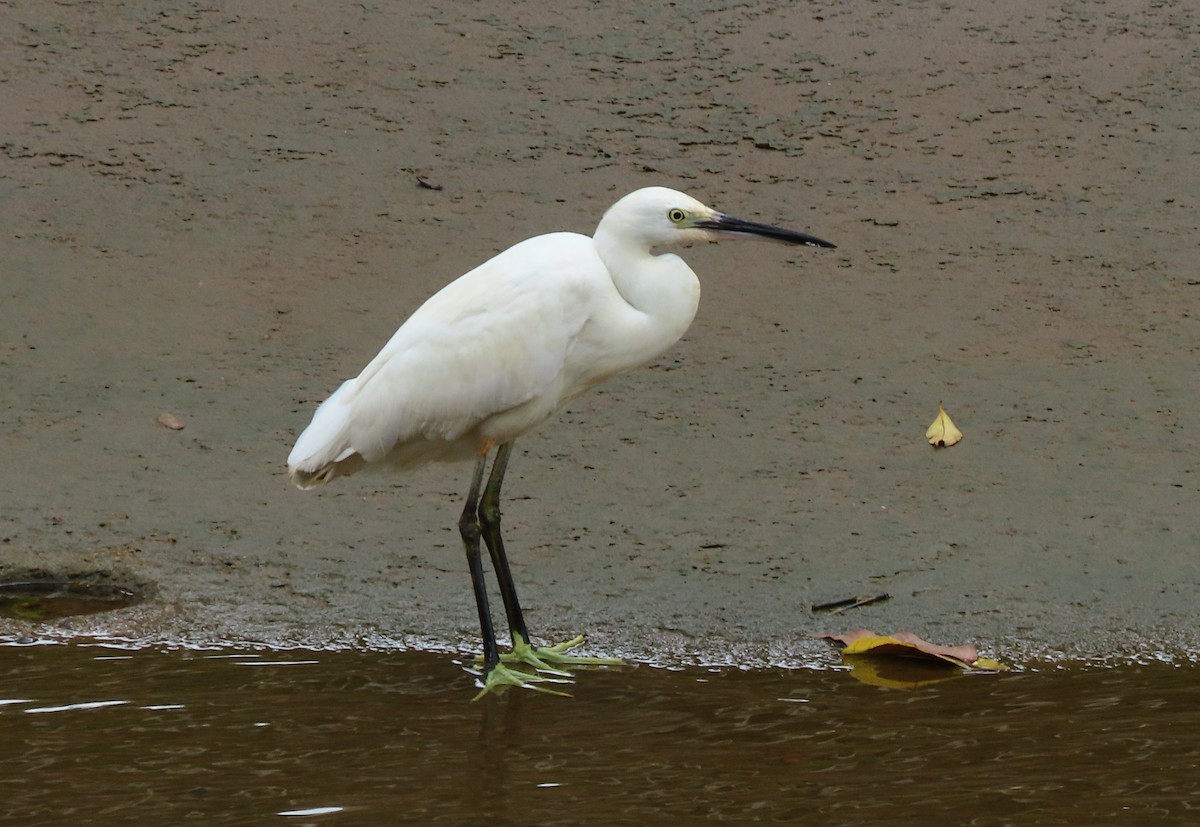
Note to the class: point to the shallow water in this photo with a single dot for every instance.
(50, 599)
(97, 734)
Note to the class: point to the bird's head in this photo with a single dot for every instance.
(661, 217)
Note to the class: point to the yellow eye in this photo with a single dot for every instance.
(676, 215)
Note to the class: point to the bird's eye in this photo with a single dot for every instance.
(676, 215)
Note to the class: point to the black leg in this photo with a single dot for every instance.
(481, 519)
(468, 527)
(489, 522)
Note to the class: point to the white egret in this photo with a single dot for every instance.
(497, 351)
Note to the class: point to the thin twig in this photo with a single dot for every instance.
(839, 606)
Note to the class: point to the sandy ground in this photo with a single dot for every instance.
(210, 209)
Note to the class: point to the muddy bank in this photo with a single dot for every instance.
(213, 213)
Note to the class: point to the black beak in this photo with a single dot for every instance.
(722, 223)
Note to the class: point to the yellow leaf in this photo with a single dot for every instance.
(898, 673)
(907, 645)
(864, 642)
(942, 433)
(989, 665)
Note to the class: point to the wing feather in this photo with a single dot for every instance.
(490, 342)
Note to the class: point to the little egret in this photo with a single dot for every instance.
(497, 351)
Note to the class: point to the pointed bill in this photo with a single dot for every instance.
(731, 226)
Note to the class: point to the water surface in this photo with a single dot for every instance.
(98, 734)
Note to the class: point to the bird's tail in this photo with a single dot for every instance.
(323, 452)
(330, 471)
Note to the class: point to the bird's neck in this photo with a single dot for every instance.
(662, 288)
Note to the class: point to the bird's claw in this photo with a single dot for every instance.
(545, 660)
(500, 676)
(556, 654)
(548, 658)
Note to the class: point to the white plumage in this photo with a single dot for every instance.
(500, 349)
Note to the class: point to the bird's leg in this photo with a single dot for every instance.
(468, 527)
(489, 523)
(495, 673)
(541, 657)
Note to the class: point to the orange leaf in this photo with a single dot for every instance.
(909, 645)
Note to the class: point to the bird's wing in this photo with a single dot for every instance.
(494, 339)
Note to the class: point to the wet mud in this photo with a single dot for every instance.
(213, 211)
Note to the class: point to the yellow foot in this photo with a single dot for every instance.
(541, 657)
(544, 659)
(501, 676)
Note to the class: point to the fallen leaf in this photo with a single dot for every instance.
(942, 433)
(909, 645)
(169, 420)
(989, 665)
(899, 673)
